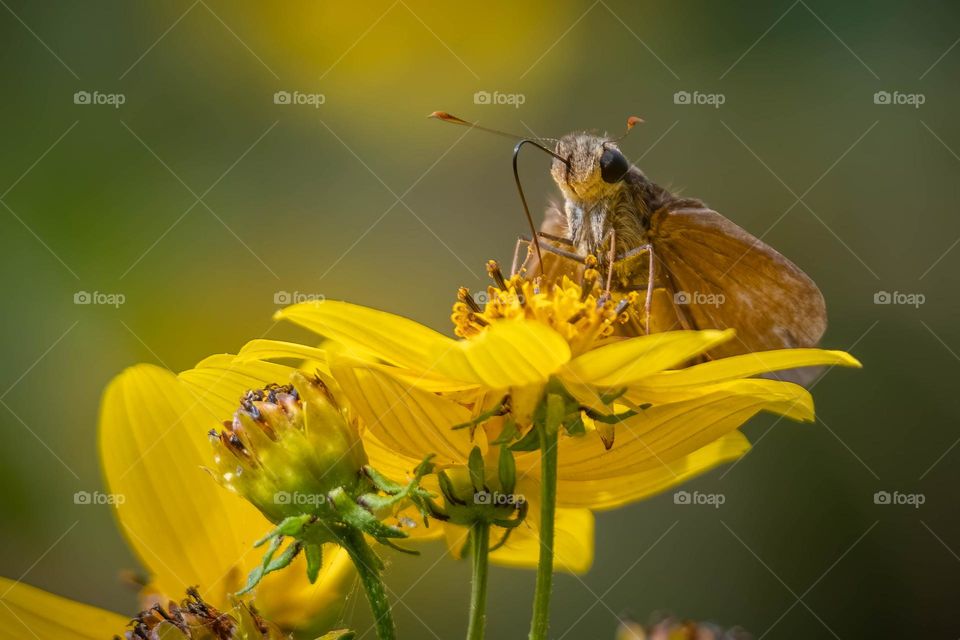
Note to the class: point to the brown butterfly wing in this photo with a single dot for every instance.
(749, 286)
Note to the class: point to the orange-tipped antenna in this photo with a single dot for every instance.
(452, 119)
(449, 117)
(632, 121)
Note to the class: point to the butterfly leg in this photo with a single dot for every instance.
(611, 259)
(651, 277)
(548, 248)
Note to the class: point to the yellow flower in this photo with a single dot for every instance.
(411, 386)
(185, 529)
(31, 612)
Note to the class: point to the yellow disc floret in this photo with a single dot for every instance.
(580, 312)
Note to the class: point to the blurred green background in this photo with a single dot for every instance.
(199, 199)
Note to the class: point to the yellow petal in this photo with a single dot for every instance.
(513, 353)
(786, 398)
(616, 492)
(749, 364)
(28, 612)
(279, 350)
(507, 354)
(626, 361)
(573, 541)
(383, 335)
(218, 382)
(661, 434)
(187, 529)
(408, 420)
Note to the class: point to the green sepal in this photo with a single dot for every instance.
(613, 418)
(613, 394)
(285, 558)
(509, 432)
(446, 488)
(513, 523)
(502, 541)
(480, 419)
(397, 493)
(258, 572)
(393, 545)
(292, 526)
(575, 427)
(314, 555)
(382, 482)
(359, 518)
(339, 634)
(477, 472)
(529, 442)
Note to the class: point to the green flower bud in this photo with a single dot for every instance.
(287, 447)
(480, 493)
(293, 453)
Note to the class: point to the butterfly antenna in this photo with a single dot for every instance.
(447, 117)
(632, 121)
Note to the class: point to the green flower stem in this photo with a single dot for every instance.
(549, 433)
(368, 567)
(480, 552)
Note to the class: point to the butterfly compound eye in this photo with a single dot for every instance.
(613, 166)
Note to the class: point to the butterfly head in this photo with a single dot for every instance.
(594, 168)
